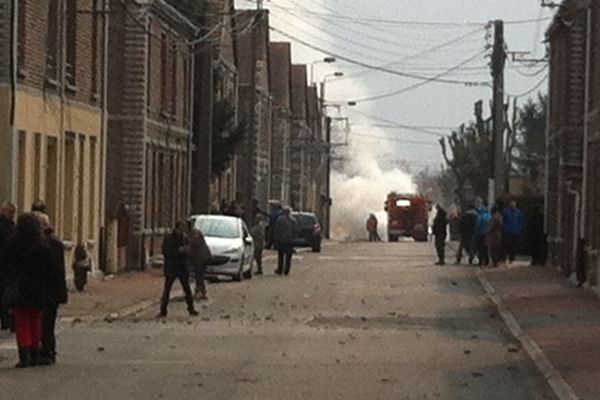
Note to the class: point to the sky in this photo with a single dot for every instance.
(433, 107)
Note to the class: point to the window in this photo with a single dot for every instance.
(186, 89)
(81, 189)
(71, 33)
(93, 179)
(37, 166)
(51, 177)
(69, 203)
(21, 32)
(95, 48)
(163, 72)
(174, 84)
(52, 41)
(22, 180)
(149, 66)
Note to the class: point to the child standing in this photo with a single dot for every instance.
(81, 267)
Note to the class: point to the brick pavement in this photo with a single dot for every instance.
(563, 320)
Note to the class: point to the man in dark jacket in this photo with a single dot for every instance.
(284, 233)
(467, 222)
(200, 255)
(7, 224)
(174, 249)
(440, 225)
(57, 292)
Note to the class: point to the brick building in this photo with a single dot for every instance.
(52, 112)
(567, 39)
(280, 82)
(255, 107)
(300, 137)
(149, 128)
(315, 159)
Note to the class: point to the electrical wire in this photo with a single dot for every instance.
(423, 83)
(416, 55)
(393, 139)
(367, 65)
(399, 125)
(408, 22)
(533, 89)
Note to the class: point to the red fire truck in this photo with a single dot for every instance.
(408, 216)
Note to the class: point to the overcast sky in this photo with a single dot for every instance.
(376, 42)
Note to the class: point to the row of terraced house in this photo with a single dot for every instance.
(124, 116)
(573, 141)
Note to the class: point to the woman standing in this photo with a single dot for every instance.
(28, 271)
(494, 237)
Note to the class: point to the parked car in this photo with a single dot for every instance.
(230, 244)
(309, 230)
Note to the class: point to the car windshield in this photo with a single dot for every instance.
(305, 221)
(219, 227)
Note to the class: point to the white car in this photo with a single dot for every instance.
(230, 244)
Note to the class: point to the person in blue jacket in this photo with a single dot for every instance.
(482, 227)
(512, 229)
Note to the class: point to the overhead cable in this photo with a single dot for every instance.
(371, 66)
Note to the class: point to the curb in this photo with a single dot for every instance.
(555, 380)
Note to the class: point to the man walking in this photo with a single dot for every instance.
(175, 254)
(440, 228)
(7, 225)
(57, 292)
(258, 235)
(199, 256)
(512, 229)
(285, 230)
(466, 223)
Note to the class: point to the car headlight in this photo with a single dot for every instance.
(232, 251)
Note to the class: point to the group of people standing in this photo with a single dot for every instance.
(185, 248)
(490, 236)
(32, 282)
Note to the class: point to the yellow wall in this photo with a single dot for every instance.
(40, 116)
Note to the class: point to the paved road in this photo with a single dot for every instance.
(359, 321)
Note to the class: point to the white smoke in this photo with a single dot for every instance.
(362, 187)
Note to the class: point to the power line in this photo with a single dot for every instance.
(370, 66)
(423, 83)
(406, 22)
(392, 139)
(533, 89)
(399, 125)
(421, 53)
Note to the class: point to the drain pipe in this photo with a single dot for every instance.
(577, 195)
(586, 124)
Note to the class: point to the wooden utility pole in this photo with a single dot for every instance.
(498, 179)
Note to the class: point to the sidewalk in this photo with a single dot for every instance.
(555, 317)
(120, 295)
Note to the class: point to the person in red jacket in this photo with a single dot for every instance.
(372, 228)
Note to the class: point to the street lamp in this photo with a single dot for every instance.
(326, 60)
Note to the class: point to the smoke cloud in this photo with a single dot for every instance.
(361, 188)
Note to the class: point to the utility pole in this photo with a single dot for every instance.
(498, 180)
(259, 4)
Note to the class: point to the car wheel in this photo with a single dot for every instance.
(239, 276)
(248, 274)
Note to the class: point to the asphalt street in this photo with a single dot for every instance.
(358, 321)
